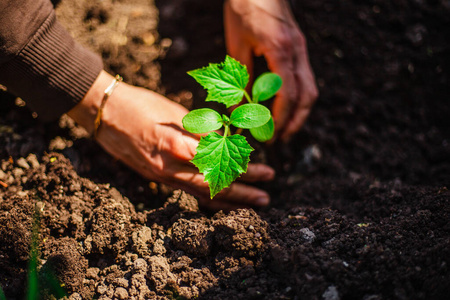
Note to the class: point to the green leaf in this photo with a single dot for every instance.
(250, 115)
(266, 86)
(225, 82)
(222, 159)
(265, 132)
(202, 120)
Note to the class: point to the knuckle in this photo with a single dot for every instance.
(292, 97)
(284, 42)
(287, 99)
(293, 100)
(225, 193)
(299, 38)
(159, 171)
(314, 93)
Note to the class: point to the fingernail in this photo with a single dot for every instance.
(263, 201)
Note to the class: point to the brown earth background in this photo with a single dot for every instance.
(360, 206)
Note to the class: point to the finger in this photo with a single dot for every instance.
(258, 172)
(243, 54)
(308, 95)
(286, 98)
(237, 194)
(306, 85)
(190, 144)
(294, 124)
(237, 46)
(181, 145)
(189, 179)
(216, 205)
(242, 194)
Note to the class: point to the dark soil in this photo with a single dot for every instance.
(360, 207)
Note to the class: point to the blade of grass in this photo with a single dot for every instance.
(2, 295)
(55, 286)
(33, 288)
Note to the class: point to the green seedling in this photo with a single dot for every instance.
(48, 279)
(33, 281)
(223, 158)
(32, 287)
(2, 295)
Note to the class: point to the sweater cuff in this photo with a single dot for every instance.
(52, 73)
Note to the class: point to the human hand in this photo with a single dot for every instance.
(267, 27)
(143, 129)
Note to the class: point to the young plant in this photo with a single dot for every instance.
(223, 158)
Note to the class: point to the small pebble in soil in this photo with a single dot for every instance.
(21, 162)
(307, 235)
(32, 159)
(331, 293)
(416, 34)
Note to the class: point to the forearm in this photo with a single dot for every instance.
(40, 62)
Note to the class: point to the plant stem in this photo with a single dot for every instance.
(227, 131)
(247, 96)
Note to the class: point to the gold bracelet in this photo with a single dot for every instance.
(109, 90)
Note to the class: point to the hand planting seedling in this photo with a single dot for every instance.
(223, 158)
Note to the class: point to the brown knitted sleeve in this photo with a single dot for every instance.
(39, 60)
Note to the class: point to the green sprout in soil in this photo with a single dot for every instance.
(223, 158)
(50, 283)
(2, 295)
(32, 289)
